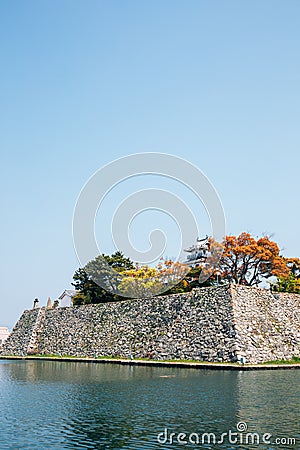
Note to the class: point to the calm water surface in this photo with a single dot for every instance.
(64, 405)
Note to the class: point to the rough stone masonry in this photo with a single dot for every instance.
(225, 323)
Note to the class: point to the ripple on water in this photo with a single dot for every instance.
(53, 405)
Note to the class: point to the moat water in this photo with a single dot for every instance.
(64, 405)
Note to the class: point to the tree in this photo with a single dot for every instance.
(172, 275)
(144, 281)
(193, 275)
(88, 290)
(288, 284)
(291, 282)
(248, 261)
(96, 283)
(91, 292)
(294, 266)
(238, 259)
(140, 282)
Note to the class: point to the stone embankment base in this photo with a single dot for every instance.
(170, 364)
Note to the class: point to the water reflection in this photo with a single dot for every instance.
(269, 402)
(61, 405)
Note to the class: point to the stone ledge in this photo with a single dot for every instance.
(176, 364)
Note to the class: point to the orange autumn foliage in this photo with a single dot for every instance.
(247, 261)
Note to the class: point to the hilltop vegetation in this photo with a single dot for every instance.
(245, 261)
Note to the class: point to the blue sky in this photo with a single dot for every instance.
(84, 83)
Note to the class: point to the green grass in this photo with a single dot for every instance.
(47, 355)
(184, 361)
(294, 360)
(126, 358)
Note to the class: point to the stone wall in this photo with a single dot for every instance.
(212, 324)
(267, 325)
(18, 341)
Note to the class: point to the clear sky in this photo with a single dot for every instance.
(83, 83)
